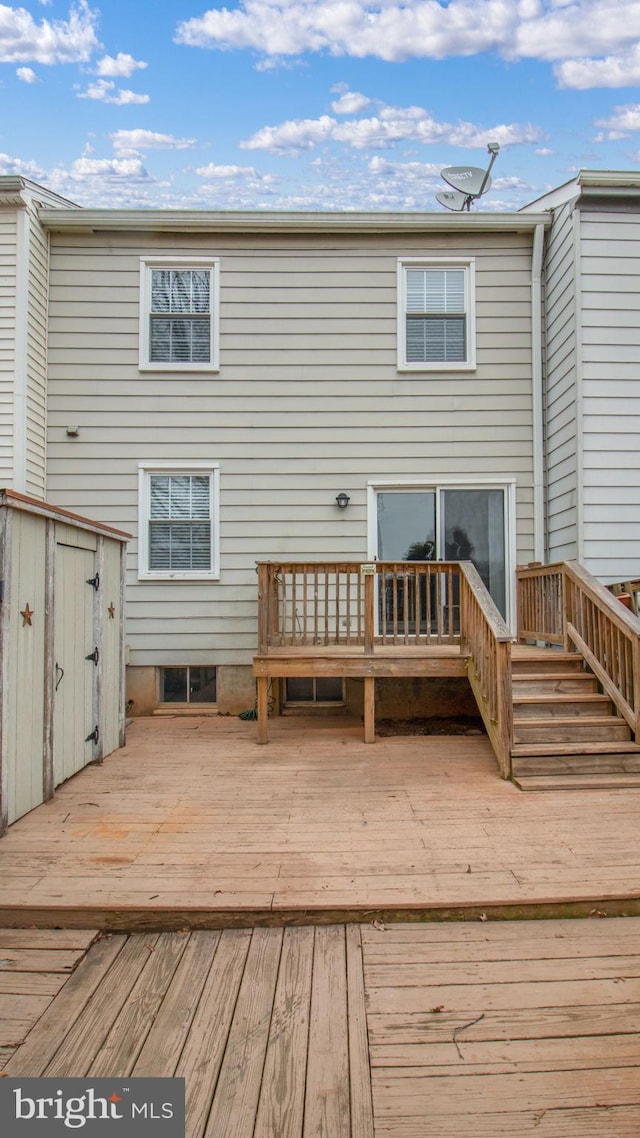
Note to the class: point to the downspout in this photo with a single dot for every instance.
(537, 393)
(20, 380)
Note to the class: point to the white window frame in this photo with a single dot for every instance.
(145, 470)
(466, 263)
(147, 265)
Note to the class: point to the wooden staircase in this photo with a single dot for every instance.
(566, 733)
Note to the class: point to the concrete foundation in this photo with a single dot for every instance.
(402, 698)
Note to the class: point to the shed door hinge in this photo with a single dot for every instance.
(95, 656)
(94, 736)
(94, 581)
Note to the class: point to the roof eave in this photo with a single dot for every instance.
(207, 221)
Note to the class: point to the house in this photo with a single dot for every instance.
(245, 393)
(217, 380)
(592, 382)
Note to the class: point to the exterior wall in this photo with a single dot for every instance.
(308, 402)
(8, 245)
(610, 304)
(36, 352)
(23, 348)
(561, 393)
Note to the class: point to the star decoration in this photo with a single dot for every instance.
(112, 611)
(114, 1097)
(26, 613)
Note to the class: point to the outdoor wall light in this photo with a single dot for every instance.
(342, 501)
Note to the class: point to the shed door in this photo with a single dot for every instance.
(74, 675)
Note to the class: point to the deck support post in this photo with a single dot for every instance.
(263, 709)
(369, 709)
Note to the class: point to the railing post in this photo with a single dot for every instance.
(566, 595)
(637, 686)
(505, 705)
(264, 606)
(369, 573)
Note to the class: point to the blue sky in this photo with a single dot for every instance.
(307, 104)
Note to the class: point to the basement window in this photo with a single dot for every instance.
(315, 689)
(188, 685)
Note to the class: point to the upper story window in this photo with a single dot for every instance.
(178, 521)
(179, 314)
(436, 316)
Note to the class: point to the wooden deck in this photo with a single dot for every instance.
(489, 1029)
(193, 824)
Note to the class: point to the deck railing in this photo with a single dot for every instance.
(486, 641)
(564, 604)
(358, 603)
(376, 605)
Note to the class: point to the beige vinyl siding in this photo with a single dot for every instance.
(610, 298)
(308, 402)
(36, 405)
(561, 403)
(8, 246)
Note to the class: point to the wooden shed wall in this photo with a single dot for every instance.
(308, 402)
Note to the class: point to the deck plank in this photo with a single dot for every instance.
(281, 1105)
(204, 1049)
(238, 1090)
(163, 1045)
(327, 1106)
(62, 1014)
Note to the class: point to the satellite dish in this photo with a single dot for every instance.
(468, 179)
(452, 199)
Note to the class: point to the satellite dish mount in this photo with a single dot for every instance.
(468, 182)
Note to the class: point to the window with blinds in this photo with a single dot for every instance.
(179, 315)
(180, 319)
(435, 316)
(178, 522)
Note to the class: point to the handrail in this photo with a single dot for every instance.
(565, 604)
(486, 640)
(357, 603)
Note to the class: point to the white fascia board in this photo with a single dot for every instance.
(209, 221)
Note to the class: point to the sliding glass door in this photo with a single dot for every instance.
(442, 523)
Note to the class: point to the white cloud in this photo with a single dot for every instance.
(391, 125)
(350, 103)
(246, 174)
(396, 30)
(624, 121)
(612, 71)
(21, 168)
(122, 66)
(56, 41)
(27, 75)
(108, 169)
(105, 91)
(149, 140)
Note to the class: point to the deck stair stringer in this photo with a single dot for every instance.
(566, 732)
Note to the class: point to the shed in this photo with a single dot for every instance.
(61, 648)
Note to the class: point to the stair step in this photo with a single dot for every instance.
(549, 682)
(579, 782)
(546, 662)
(539, 706)
(523, 750)
(561, 729)
(617, 763)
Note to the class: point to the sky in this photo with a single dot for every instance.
(314, 104)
